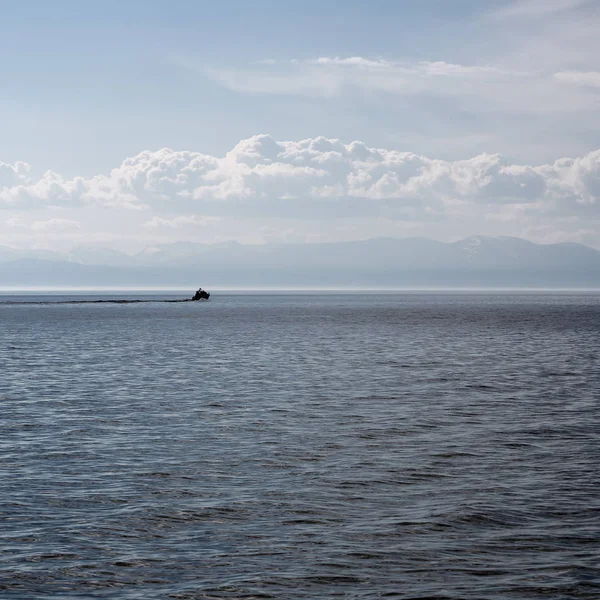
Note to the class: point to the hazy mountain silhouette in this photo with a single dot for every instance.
(381, 262)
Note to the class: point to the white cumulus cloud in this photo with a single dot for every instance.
(12, 175)
(315, 178)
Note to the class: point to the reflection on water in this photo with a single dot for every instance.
(313, 446)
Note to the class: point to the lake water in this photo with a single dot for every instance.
(417, 446)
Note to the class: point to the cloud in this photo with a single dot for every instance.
(331, 76)
(536, 8)
(454, 89)
(50, 190)
(583, 78)
(12, 175)
(353, 61)
(315, 178)
(179, 222)
(47, 226)
(423, 68)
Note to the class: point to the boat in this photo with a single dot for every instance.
(200, 295)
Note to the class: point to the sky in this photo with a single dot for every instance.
(127, 124)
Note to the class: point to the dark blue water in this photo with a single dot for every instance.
(302, 446)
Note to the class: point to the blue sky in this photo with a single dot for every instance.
(87, 85)
(103, 77)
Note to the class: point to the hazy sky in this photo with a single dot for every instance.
(129, 122)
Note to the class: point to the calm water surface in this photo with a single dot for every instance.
(301, 446)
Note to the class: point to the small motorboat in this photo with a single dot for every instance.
(201, 295)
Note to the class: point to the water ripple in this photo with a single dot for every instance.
(301, 447)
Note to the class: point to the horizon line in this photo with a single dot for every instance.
(12, 290)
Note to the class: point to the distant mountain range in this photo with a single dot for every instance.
(375, 263)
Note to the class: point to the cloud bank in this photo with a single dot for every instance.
(313, 178)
